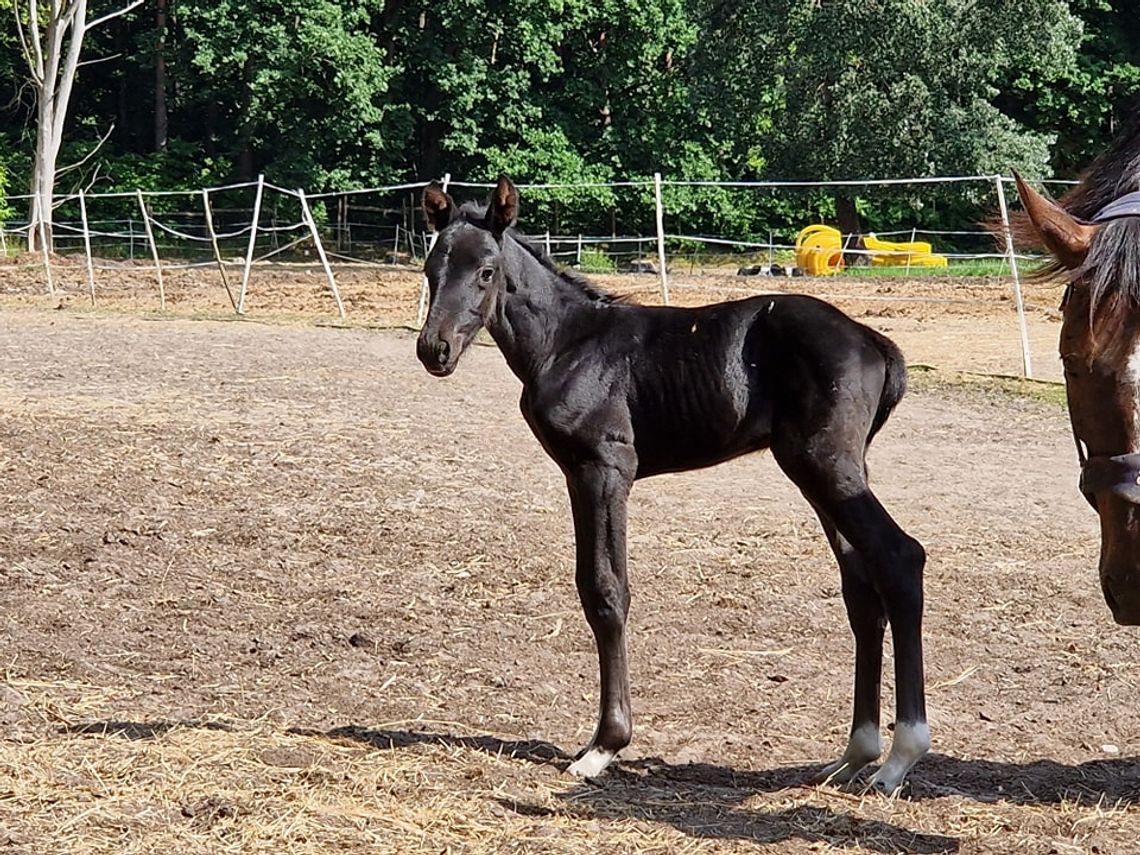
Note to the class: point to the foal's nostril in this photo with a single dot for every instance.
(442, 351)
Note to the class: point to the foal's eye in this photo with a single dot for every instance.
(487, 274)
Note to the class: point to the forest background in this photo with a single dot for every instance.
(340, 94)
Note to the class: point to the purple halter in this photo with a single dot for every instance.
(1127, 205)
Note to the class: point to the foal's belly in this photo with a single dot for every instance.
(671, 445)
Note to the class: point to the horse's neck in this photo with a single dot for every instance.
(531, 310)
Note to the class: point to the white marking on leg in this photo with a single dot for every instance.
(863, 747)
(911, 742)
(592, 763)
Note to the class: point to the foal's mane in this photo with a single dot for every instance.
(476, 214)
(1112, 267)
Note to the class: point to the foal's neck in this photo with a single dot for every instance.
(533, 307)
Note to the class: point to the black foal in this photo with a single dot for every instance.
(616, 392)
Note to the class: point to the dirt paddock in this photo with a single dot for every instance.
(270, 588)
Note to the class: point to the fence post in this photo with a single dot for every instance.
(153, 251)
(661, 238)
(252, 244)
(217, 251)
(548, 255)
(3, 242)
(579, 253)
(421, 313)
(910, 252)
(87, 246)
(1026, 362)
(308, 216)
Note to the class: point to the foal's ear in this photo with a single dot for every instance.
(503, 210)
(439, 208)
(1066, 237)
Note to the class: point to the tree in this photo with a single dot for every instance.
(871, 88)
(51, 41)
(295, 88)
(1084, 104)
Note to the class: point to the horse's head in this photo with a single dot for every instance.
(1100, 349)
(464, 272)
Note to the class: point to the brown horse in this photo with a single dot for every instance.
(1093, 236)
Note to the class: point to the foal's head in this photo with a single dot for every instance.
(464, 272)
(1095, 243)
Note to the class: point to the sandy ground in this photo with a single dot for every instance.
(271, 588)
(954, 323)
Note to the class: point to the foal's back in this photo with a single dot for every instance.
(708, 384)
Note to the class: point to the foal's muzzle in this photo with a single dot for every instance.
(438, 355)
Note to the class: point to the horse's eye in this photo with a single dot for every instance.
(487, 274)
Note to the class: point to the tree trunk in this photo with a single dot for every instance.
(160, 117)
(849, 224)
(51, 50)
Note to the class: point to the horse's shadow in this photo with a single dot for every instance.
(1040, 782)
(709, 801)
(700, 800)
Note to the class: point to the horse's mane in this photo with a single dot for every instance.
(476, 214)
(1112, 267)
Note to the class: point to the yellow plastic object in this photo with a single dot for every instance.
(885, 253)
(819, 250)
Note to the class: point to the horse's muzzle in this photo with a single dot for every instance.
(437, 354)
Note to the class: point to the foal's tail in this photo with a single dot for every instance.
(894, 385)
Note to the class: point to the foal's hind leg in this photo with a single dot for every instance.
(598, 495)
(868, 620)
(830, 473)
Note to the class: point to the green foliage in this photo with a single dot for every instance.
(337, 94)
(867, 88)
(6, 212)
(301, 82)
(596, 261)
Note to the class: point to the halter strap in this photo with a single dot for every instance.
(1127, 205)
(1116, 474)
(1119, 475)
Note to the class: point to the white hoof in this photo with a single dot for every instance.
(592, 763)
(863, 747)
(911, 742)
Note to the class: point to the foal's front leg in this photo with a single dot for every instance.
(598, 495)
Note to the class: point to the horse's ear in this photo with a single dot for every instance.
(439, 208)
(503, 210)
(1066, 237)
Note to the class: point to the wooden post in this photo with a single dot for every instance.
(217, 250)
(1026, 362)
(661, 238)
(578, 255)
(548, 255)
(153, 251)
(308, 217)
(3, 242)
(87, 246)
(421, 313)
(252, 244)
(396, 245)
